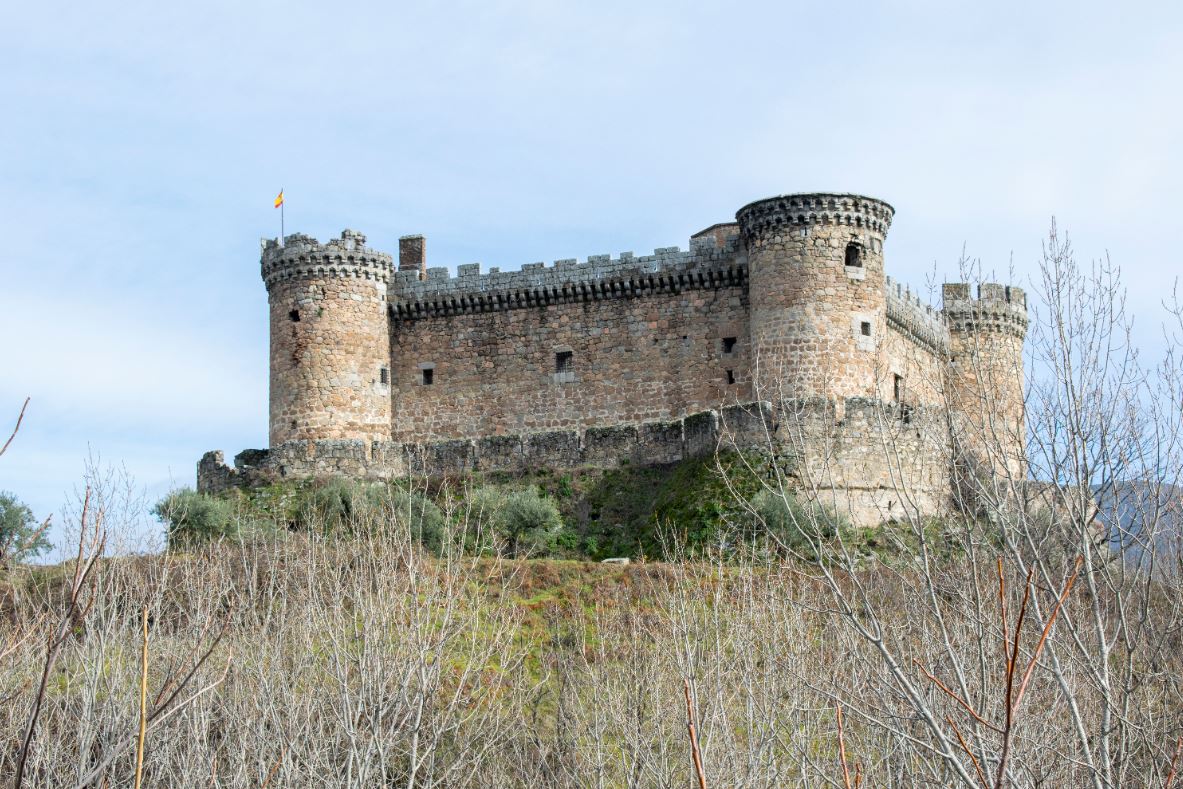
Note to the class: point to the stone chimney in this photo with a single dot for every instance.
(411, 255)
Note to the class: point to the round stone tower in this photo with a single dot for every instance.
(984, 381)
(816, 289)
(330, 341)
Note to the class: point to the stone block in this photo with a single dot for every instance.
(552, 449)
(499, 453)
(746, 426)
(700, 434)
(658, 443)
(608, 447)
(441, 458)
(251, 458)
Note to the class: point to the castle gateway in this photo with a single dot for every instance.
(778, 332)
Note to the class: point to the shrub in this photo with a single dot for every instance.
(342, 506)
(529, 522)
(20, 535)
(337, 505)
(481, 518)
(803, 528)
(191, 517)
(413, 509)
(525, 521)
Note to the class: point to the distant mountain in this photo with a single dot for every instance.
(1144, 521)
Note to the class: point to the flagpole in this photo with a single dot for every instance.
(281, 220)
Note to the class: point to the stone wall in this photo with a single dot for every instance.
(642, 444)
(870, 461)
(871, 464)
(985, 376)
(608, 342)
(817, 293)
(329, 344)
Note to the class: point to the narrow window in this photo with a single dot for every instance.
(730, 376)
(384, 375)
(565, 362)
(854, 254)
(897, 389)
(293, 424)
(865, 328)
(428, 376)
(294, 315)
(728, 344)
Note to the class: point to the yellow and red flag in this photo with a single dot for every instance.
(279, 199)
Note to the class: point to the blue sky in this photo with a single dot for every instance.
(142, 143)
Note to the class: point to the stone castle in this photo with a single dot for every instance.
(779, 332)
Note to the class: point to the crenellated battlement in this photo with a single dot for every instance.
(801, 210)
(707, 264)
(907, 313)
(997, 308)
(303, 257)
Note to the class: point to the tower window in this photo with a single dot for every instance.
(565, 362)
(865, 328)
(384, 375)
(854, 254)
(428, 376)
(897, 388)
(731, 376)
(728, 344)
(294, 315)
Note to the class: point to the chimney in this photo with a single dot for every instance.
(410, 255)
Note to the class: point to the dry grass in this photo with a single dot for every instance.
(367, 663)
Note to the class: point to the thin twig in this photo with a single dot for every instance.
(964, 704)
(275, 767)
(1174, 763)
(698, 770)
(1002, 614)
(842, 748)
(15, 429)
(153, 722)
(1051, 620)
(88, 555)
(965, 747)
(1012, 661)
(143, 706)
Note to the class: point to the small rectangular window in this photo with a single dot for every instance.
(384, 375)
(854, 254)
(865, 328)
(428, 376)
(728, 344)
(294, 316)
(565, 362)
(731, 376)
(897, 388)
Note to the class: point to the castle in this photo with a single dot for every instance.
(779, 331)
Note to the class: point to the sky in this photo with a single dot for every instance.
(142, 144)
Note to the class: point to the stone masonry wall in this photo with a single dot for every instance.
(915, 348)
(608, 342)
(328, 339)
(875, 462)
(870, 465)
(818, 313)
(985, 376)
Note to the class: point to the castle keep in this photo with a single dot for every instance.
(779, 331)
